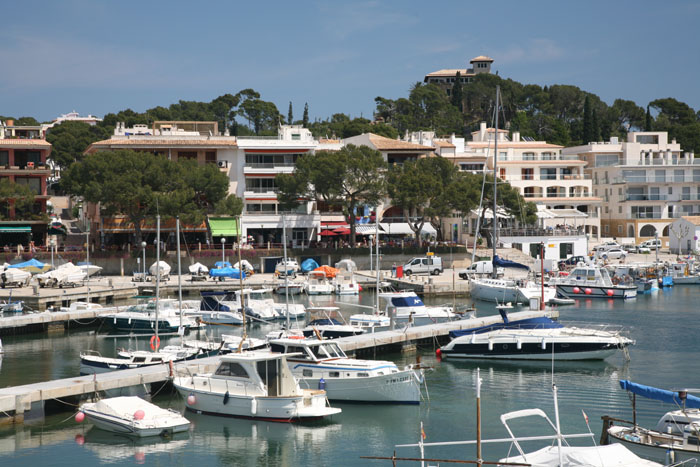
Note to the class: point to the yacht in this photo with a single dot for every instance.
(327, 323)
(590, 281)
(318, 284)
(142, 317)
(410, 309)
(230, 302)
(261, 301)
(345, 284)
(323, 364)
(91, 361)
(255, 384)
(509, 290)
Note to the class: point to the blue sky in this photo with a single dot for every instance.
(98, 57)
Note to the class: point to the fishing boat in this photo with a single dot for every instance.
(318, 284)
(591, 281)
(257, 385)
(324, 365)
(682, 274)
(674, 438)
(131, 415)
(534, 339)
(326, 322)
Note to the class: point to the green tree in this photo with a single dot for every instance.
(628, 115)
(510, 201)
(290, 115)
(348, 178)
(70, 139)
(305, 118)
(21, 196)
(457, 95)
(231, 205)
(262, 115)
(648, 121)
(588, 130)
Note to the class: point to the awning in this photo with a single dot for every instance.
(367, 229)
(223, 226)
(123, 225)
(15, 229)
(402, 228)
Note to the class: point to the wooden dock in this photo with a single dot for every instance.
(40, 322)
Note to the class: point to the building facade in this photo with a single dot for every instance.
(646, 183)
(446, 78)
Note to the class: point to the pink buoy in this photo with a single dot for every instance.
(139, 414)
(140, 457)
(359, 287)
(79, 417)
(611, 292)
(191, 399)
(79, 439)
(577, 290)
(588, 291)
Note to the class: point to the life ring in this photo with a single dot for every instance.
(155, 342)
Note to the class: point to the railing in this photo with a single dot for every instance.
(690, 197)
(557, 195)
(653, 179)
(660, 197)
(538, 232)
(517, 178)
(268, 165)
(261, 189)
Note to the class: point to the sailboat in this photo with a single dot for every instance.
(497, 289)
(92, 362)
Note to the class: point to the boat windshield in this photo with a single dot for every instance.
(260, 295)
(329, 350)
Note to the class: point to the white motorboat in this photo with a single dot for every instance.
(12, 306)
(410, 309)
(134, 416)
(14, 277)
(235, 343)
(261, 301)
(292, 287)
(318, 284)
(142, 317)
(65, 275)
(198, 270)
(345, 284)
(675, 437)
(370, 322)
(89, 269)
(256, 384)
(537, 339)
(682, 274)
(82, 306)
(326, 322)
(324, 365)
(162, 268)
(590, 281)
(92, 362)
(507, 290)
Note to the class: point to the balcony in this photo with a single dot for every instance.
(261, 189)
(534, 177)
(540, 157)
(690, 197)
(644, 197)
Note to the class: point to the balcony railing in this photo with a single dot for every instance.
(539, 157)
(538, 232)
(268, 165)
(262, 189)
(690, 197)
(555, 195)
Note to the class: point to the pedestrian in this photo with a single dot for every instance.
(393, 270)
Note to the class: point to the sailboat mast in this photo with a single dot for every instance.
(286, 269)
(180, 328)
(376, 242)
(157, 269)
(495, 188)
(240, 278)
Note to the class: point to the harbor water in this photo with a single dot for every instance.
(664, 324)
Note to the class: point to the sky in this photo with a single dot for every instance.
(97, 57)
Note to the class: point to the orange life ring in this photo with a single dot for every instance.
(155, 342)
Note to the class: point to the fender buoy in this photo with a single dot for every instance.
(588, 291)
(155, 343)
(577, 290)
(295, 337)
(611, 292)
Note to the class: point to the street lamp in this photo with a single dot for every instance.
(223, 244)
(143, 249)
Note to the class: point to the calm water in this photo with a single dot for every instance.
(665, 325)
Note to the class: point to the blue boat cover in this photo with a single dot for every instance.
(233, 273)
(31, 262)
(308, 265)
(662, 395)
(530, 323)
(505, 263)
(222, 264)
(400, 302)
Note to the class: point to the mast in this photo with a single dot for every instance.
(157, 269)
(479, 461)
(495, 188)
(240, 280)
(181, 328)
(87, 268)
(376, 241)
(286, 270)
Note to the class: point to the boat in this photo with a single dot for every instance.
(198, 270)
(82, 306)
(345, 284)
(370, 322)
(534, 339)
(131, 415)
(143, 317)
(91, 361)
(256, 385)
(14, 277)
(235, 343)
(508, 290)
(674, 438)
(408, 308)
(682, 274)
(261, 301)
(160, 268)
(326, 322)
(89, 269)
(318, 284)
(291, 287)
(323, 364)
(65, 275)
(591, 281)
(12, 306)
(223, 269)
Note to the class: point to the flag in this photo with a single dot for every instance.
(585, 416)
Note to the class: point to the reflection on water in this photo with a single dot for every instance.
(111, 447)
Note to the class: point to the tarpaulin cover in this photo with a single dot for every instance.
(233, 273)
(308, 265)
(330, 271)
(662, 395)
(505, 263)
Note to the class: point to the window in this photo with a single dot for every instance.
(187, 155)
(606, 160)
(659, 175)
(619, 230)
(527, 174)
(296, 136)
(362, 375)
(607, 228)
(210, 157)
(268, 208)
(547, 156)
(334, 374)
(4, 158)
(647, 139)
(619, 209)
(231, 369)
(34, 183)
(548, 174)
(307, 373)
(528, 156)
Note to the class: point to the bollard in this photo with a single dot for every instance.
(36, 289)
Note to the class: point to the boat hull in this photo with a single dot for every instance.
(531, 351)
(658, 452)
(395, 388)
(121, 426)
(488, 293)
(569, 291)
(139, 325)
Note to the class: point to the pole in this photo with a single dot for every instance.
(286, 269)
(556, 418)
(223, 254)
(180, 328)
(87, 244)
(143, 248)
(240, 279)
(495, 187)
(478, 417)
(157, 270)
(542, 276)
(376, 240)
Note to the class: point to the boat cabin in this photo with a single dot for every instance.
(312, 350)
(263, 371)
(590, 275)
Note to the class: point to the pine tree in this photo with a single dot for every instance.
(305, 119)
(457, 94)
(290, 115)
(647, 121)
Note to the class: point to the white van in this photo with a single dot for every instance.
(480, 268)
(424, 265)
(652, 244)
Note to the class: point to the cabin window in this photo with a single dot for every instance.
(307, 373)
(155, 360)
(334, 374)
(278, 348)
(139, 359)
(231, 369)
(363, 375)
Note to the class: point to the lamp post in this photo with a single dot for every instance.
(223, 246)
(143, 249)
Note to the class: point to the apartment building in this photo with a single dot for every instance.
(23, 154)
(251, 163)
(446, 78)
(646, 183)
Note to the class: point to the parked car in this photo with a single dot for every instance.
(606, 246)
(425, 265)
(614, 253)
(572, 261)
(652, 244)
(642, 249)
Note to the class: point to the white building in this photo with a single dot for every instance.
(71, 117)
(645, 183)
(684, 235)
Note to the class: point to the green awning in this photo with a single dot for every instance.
(15, 229)
(223, 226)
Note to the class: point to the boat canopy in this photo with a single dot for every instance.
(402, 302)
(663, 395)
(505, 263)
